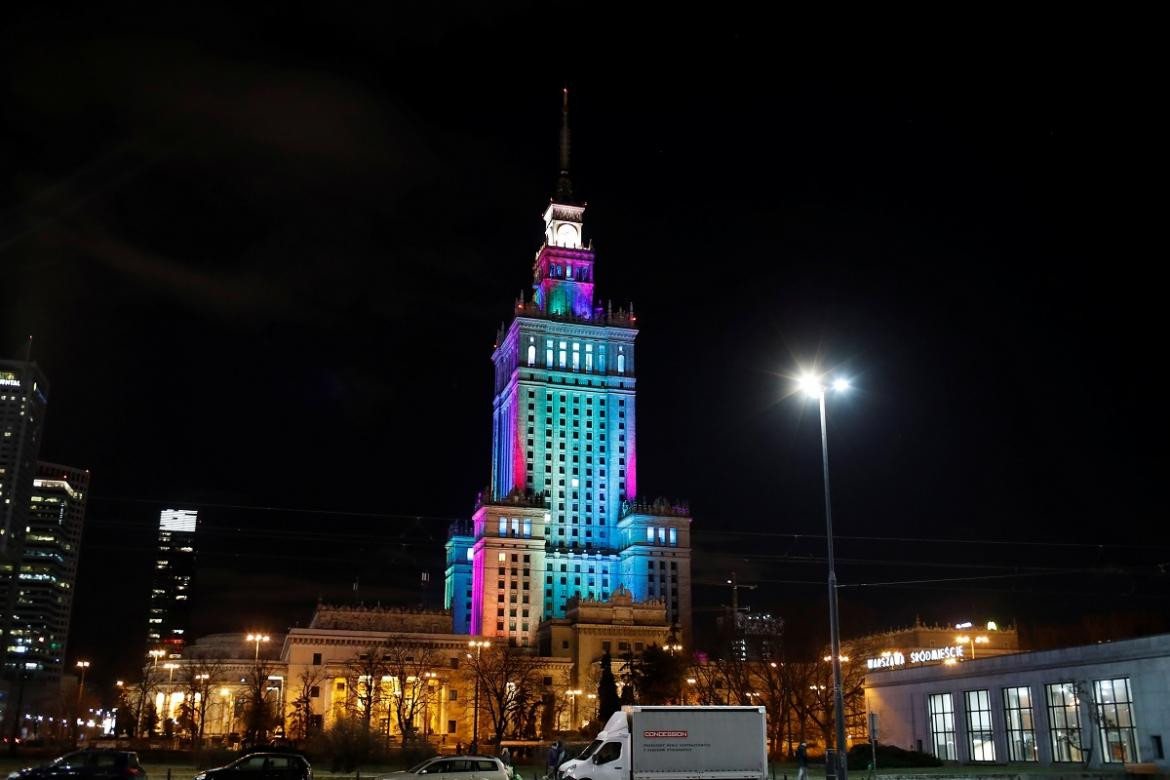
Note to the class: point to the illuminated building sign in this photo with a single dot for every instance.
(8, 379)
(182, 520)
(894, 659)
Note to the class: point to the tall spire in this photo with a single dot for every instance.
(564, 192)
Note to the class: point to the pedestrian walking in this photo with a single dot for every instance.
(459, 748)
(802, 762)
(554, 760)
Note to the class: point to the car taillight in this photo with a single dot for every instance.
(133, 771)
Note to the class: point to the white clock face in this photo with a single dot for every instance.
(567, 235)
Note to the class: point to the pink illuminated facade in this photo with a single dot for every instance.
(559, 521)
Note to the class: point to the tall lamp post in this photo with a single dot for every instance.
(429, 678)
(814, 386)
(84, 667)
(573, 694)
(258, 638)
(675, 647)
(479, 646)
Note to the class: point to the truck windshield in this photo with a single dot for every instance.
(587, 752)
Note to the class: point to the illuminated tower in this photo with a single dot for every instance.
(564, 450)
(48, 570)
(174, 572)
(23, 400)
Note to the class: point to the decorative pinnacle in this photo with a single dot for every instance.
(564, 192)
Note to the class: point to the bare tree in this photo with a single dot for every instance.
(308, 682)
(772, 688)
(144, 721)
(411, 667)
(710, 687)
(259, 712)
(506, 677)
(198, 678)
(1083, 741)
(365, 672)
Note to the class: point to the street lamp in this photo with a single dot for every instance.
(258, 638)
(479, 646)
(428, 678)
(156, 654)
(814, 387)
(972, 641)
(84, 667)
(171, 668)
(573, 694)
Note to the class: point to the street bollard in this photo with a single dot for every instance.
(168, 773)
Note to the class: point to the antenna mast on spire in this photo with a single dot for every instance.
(564, 193)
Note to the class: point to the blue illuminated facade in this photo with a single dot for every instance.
(563, 518)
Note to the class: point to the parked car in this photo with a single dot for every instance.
(88, 764)
(266, 765)
(454, 768)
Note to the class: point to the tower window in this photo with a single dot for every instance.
(531, 354)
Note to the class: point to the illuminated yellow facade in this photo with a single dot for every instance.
(320, 675)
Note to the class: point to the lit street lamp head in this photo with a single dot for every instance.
(814, 385)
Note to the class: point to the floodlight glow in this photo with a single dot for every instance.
(810, 385)
(841, 385)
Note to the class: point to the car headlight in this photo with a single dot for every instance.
(201, 776)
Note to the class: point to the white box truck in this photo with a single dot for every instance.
(679, 743)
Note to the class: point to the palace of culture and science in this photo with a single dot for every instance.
(563, 519)
(562, 555)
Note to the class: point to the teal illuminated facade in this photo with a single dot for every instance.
(563, 518)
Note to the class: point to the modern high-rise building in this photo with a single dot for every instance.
(24, 396)
(174, 574)
(563, 518)
(48, 571)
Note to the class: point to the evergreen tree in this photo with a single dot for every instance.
(658, 675)
(607, 695)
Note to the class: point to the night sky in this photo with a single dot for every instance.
(263, 258)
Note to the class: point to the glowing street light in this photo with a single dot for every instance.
(573, 693)
(156, 654)
(258, 638)
(972, 641)
(171, 668)
(813, 385)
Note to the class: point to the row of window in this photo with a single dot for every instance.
(1112, 701)
(571, 359)
(660, 535)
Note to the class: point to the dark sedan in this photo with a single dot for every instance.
(89, 764)
(262, 766)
